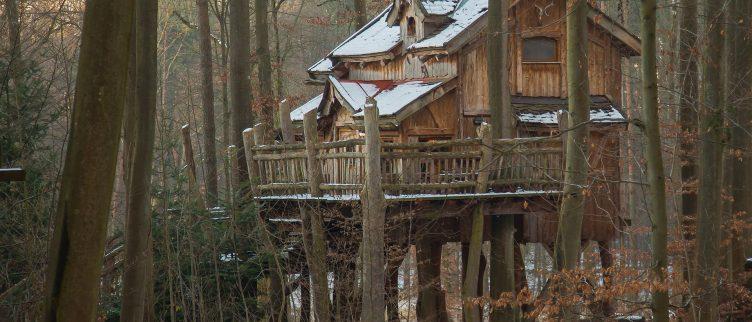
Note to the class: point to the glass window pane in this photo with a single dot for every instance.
(539, 49)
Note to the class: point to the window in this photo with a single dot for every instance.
(539, 49)
(411, 27)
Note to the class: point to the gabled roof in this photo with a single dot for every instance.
(465, 19)
(396, 100)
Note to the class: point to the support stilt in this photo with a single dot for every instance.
(431, 298)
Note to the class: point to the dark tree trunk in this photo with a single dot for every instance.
(207, 102)
(268, 105)
(240, 80)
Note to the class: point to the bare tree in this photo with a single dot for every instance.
(77, 246)
(361, 13)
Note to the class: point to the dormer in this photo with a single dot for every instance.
(419, 18)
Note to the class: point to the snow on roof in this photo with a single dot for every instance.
(438, 7)
(467, 12)
(298, 113)
(322, 66)
(391, 96)
(600, 115)
(375, 38)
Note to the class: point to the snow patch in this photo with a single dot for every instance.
(298, 113)
(467, 13)
(376, 37)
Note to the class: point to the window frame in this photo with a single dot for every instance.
(553, 40)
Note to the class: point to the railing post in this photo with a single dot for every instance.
(253, 171)
(486, 158)
(373, 205)
(312, 151)
(285, 123)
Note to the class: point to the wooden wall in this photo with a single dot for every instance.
(539, 79)
(405, 67)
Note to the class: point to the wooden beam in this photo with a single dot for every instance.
(12, 174)
(315, 178)
(373, 205)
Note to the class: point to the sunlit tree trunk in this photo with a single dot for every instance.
(207, 102)
(710, 157)
(77, 245)
(654, 158)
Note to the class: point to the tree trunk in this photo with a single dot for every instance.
(139, 143)
(373, 205)
(471, 312)
(503, 126)
(688, 123)
(739, 52)
(207, 102)
(77, 245)
(710, 156)
(656, 178)
(567, 248)
(361, 13)
(240, 80)
(268, 106)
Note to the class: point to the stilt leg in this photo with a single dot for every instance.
(392, 288)
(305, 296)
(431, 304)
(606, 262)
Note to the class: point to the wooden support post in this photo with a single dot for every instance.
(285, 123)
(470, 285)
(431, 304)
(502, 265)
(198, 199)
(373, 206)
(392, 286)
(604, 249)
(305, 295)
(12, 174)
(253, 170)
(311, 142)
(314, 235)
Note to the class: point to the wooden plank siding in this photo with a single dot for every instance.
(405, 67)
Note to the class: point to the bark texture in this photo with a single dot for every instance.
(77, 245)
(207, 102)
(361, 13)
(567, 251)
(240, 80)
(268, 105)
(710, 156)
(740, 102)
(654, 158)
(503, 126)
(140, 124)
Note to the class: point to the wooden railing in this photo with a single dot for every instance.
(439, 167)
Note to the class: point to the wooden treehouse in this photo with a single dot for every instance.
(423, 62)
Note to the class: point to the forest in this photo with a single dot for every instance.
(376, 160)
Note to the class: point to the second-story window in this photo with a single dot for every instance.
(411, 27)
(539, 49)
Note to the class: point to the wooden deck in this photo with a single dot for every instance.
(410, 171)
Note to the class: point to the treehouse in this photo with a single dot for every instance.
(423, 63)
